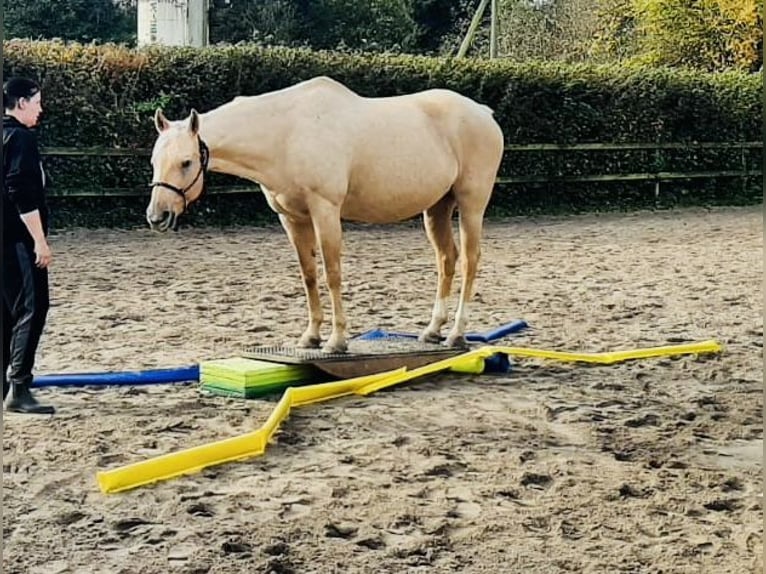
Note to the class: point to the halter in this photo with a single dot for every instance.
(204, 157)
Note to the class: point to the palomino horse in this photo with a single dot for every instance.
(322, 154)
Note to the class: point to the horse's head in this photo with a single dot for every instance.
(179, 162)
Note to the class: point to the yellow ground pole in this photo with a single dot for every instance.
(254, 443)
(251, 444)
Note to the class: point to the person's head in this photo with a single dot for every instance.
(22, 100)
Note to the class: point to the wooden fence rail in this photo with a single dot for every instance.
(744, 170)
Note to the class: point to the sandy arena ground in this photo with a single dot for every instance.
(652, 466)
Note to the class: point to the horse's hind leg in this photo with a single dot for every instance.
(301, 234)
(438, 224)
(472, 201)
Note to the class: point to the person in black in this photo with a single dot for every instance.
(26, 253)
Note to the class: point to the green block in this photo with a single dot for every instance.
(239, 371)
(263, 381)
(245, 392)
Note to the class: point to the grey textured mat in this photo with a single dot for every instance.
(362, 358)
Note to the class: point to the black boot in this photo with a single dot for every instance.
(22, 401)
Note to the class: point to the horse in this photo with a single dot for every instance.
(323, 154)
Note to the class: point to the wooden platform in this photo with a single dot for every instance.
(362, 358)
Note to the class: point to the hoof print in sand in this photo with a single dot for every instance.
(332, 530)
(536, 481)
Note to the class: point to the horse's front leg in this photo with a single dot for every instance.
(301, 234)
(327, 225)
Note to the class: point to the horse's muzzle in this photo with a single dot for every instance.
(169, 220)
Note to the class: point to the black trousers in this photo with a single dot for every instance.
(26, 300)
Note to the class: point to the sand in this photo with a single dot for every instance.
(645, 467)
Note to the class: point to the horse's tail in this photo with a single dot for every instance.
(487, 109)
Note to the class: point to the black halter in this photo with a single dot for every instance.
(204, 158)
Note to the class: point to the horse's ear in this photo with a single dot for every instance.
(160, 121)
(194, 122)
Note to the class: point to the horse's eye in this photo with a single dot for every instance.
(186, 164)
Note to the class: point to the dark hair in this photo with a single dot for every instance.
(16, 89)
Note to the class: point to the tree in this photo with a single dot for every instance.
(616, 36)
(269, 22)
(80, 20)
(560, 30)
(709, 35)
(370, 25)
(705, 34)
(440, 23)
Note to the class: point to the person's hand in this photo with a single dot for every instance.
(43, 254)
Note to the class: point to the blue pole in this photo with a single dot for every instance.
(146, 377)
(498, 333)
(485, 337)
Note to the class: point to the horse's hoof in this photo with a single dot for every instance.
(456, 342)
(430, 337)
(336, 347)
(309, 342)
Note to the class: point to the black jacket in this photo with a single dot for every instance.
(23, 181)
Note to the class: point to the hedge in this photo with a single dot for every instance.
(105, 95)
